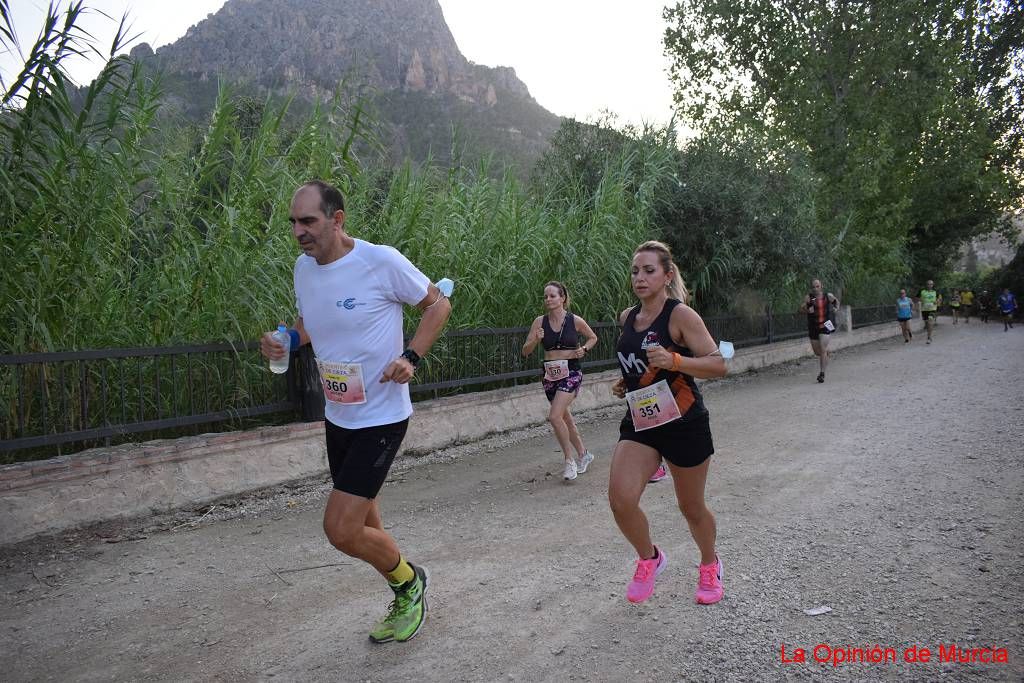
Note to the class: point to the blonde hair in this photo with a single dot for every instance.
(561, 290)
(676, 287)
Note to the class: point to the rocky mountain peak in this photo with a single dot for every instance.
(399, 54)
(385, 44)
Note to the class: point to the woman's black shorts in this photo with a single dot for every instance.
(684, 443)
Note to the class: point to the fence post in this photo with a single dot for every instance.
(846, 318)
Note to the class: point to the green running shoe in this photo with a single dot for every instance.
(384, 630)
(407, 611)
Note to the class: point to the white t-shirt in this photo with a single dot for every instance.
(352, 310)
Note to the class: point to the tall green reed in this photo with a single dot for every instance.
(127, 228)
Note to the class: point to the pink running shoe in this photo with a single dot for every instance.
(642, 585)
(658, 475)
(709, 585)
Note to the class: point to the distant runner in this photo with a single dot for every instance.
(821, 310)
(984, 305)
(928, 301)
(559, 331)
(1007, 306)
(967, 297)
(904, 314)
(954, 305)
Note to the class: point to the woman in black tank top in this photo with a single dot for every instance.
(559, 331)
(664, 345)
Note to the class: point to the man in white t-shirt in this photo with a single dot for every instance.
(349, 294)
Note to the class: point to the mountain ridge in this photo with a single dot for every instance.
(401, 51)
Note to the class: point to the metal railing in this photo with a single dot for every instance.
(99, 397)
(873, 315)
(471, 357)
(87, 397)
(473, 360)
(744, 330)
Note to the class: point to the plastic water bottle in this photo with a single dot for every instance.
(726, 349)
(446, 286)
(284, 339)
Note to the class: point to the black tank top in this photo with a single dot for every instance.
(632, 355)
(564, 339)
(820, 309)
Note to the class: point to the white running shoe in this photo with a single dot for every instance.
(570, 470)
(584, 462)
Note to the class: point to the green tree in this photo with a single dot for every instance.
(738, 214)
(579, 154)
(996, 53)
(892, 101)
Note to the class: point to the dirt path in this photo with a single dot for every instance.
(893, 494)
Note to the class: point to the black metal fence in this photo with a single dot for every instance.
(468, 358)
(745, 330)
(873, 315)
(52, 402)
(89, 397)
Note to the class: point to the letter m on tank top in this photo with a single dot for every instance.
(631, 364)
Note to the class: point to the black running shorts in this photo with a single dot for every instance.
(928, 314)
(815, 332)
(360, 458)
(684, 443)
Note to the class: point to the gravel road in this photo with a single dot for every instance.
(893, 494)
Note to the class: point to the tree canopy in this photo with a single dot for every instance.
(909, 112)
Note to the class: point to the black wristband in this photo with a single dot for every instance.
(412, 357)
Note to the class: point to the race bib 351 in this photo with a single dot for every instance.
(652, 406)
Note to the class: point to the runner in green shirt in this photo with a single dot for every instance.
(967, 297)
(954, 305)
(929, 301)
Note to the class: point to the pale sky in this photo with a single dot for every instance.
(577, 57)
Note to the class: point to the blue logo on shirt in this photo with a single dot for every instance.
(349, 303)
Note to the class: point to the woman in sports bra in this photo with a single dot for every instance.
(559, 331)
(663, 347)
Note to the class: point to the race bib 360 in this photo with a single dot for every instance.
(343, 382)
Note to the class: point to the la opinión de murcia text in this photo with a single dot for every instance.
(840, 655)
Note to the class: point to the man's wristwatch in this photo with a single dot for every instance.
(412, 357)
